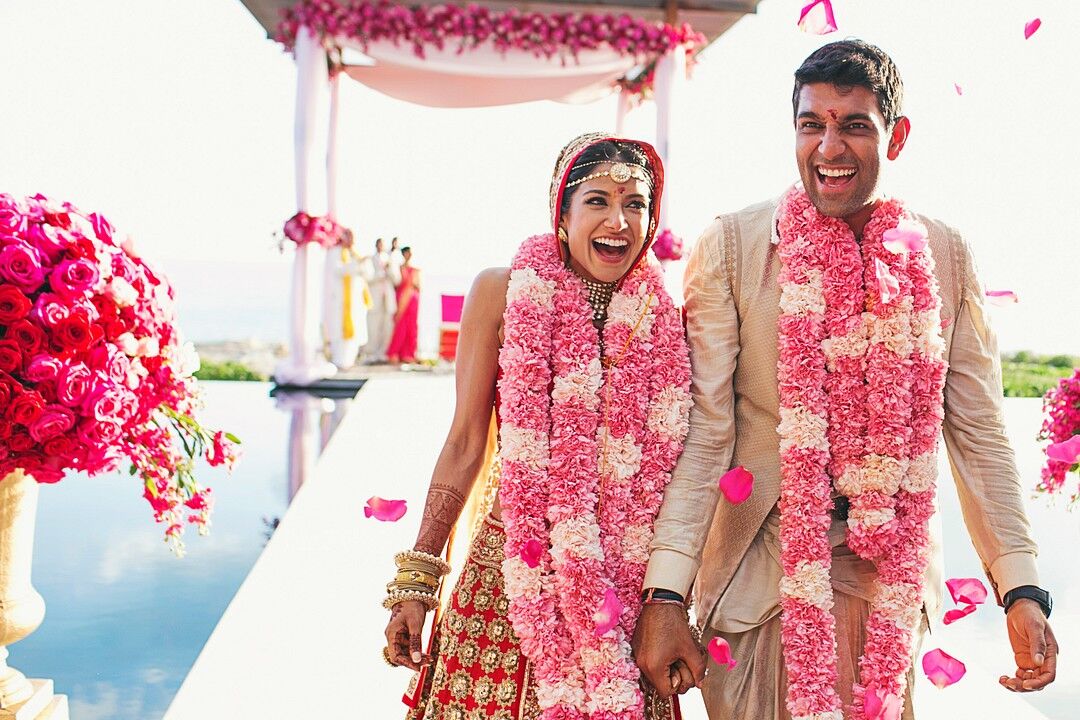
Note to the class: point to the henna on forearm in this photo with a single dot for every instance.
(444, 505)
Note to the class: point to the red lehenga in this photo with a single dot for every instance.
(403, 342)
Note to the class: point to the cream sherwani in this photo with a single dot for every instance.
(730, 552)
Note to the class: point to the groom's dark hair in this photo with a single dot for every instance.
(848, 63)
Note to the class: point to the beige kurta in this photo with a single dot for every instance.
(732, 307)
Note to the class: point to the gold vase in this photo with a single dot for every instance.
(21, 607)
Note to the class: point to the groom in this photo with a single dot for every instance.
(752, 286)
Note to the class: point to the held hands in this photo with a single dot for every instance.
(403, 635)
(1034, 648)
(669, 657)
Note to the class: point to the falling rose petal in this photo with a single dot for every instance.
(941, 668)
(959, 90)
(881, 705)
(967, 591)
(530, 554)
(954, 615)
(737, 484)
(906, 237)
(945, 322)
(1001, 298)
(888, 286)
(608, 615)
(1066, 451)
(385, 510)
(817, 18)
(1031, 26)
(720, 652)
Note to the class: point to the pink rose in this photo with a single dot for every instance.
(102, 228)
(51, 309)
(22, 265)
(43, 368)
(111, 361)
(103, 433)
(105, 403)
(74, 384)
(54, 420)
(50, 241)
(73, 278)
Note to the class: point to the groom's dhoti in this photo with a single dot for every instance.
(748, 617)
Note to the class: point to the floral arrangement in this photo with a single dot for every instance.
(302, 228)
(586, 454)
(668, 246)
(1061, 426)
(465, 28)
(861, 375)
(92, 367)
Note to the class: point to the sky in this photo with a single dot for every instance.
(175, 120)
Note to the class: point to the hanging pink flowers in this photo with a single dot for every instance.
(302, 228)
(1061, 426)
(92, 367)
(546, 35)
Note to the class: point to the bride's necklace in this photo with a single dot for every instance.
(599, 296)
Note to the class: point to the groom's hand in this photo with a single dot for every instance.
(669, 657)
(1034, 647)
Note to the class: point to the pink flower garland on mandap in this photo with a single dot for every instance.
(573, 438)
(861, 375)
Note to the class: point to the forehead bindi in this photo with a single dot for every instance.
(834, 102)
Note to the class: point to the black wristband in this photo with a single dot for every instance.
(1029, 592)
(660, 594)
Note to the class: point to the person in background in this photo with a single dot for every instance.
(402, 347)
(382, 278)
(346, 303)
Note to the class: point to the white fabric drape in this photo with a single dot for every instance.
(670, 77)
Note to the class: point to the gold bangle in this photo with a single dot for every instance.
(415, 587)
(399, 596)
(420, 557)
(417, 576)
(386, 657)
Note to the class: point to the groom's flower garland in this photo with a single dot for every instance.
(861, 402)
(569, 443)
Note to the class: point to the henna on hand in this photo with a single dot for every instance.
(444, 505)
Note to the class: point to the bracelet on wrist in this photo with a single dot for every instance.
(660, 596)
(394, 597)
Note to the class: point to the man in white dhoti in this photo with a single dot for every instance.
(345, 303)
(382, 277)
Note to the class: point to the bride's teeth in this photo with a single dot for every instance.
(612, 242)
(829, 172)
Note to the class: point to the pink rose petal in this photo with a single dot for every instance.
(1031, 26)
(888, 286)
(607, 617)
(737, 484)
(954, 615)
(941, 668)
(531, 553)
(970, 591)
(385, 510)
(1001, 298)
(817, 18)
(720, 652)
(881, 705)
(959, 90)
(906, 237)
(945, 322)
(1066, 451)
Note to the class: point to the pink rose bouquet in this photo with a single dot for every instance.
(302, 228)
(1061, 426)
(92, 368)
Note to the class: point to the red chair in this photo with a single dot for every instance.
(450, 325)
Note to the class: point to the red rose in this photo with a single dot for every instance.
(11, 358)
(74, 332)
(28, 335)
(6, 428)
(26, 408)
(13, 304)
(20, 442)
(105, 306)
(59, 446)
(10, 388)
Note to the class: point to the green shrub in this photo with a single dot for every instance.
(228, 370)
(1020, 379)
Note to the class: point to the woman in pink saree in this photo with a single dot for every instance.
(402, 346)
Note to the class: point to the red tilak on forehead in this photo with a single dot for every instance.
(832, 114)
(621, 189)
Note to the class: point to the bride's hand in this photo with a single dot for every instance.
(403, 634)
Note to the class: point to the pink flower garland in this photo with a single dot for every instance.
(542, 34)
(860, 406)
(1061, 407)
(322, 230)
(557, 457)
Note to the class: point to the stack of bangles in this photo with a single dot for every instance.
(417, 579)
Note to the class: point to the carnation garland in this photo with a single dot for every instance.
(574, 439)
(546, 35)
(861, 374)
(92, 366)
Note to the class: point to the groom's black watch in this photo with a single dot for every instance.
(1029, 592)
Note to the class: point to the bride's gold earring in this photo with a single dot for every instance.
(562, 235)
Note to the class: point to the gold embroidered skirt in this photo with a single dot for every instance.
(478, 671)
